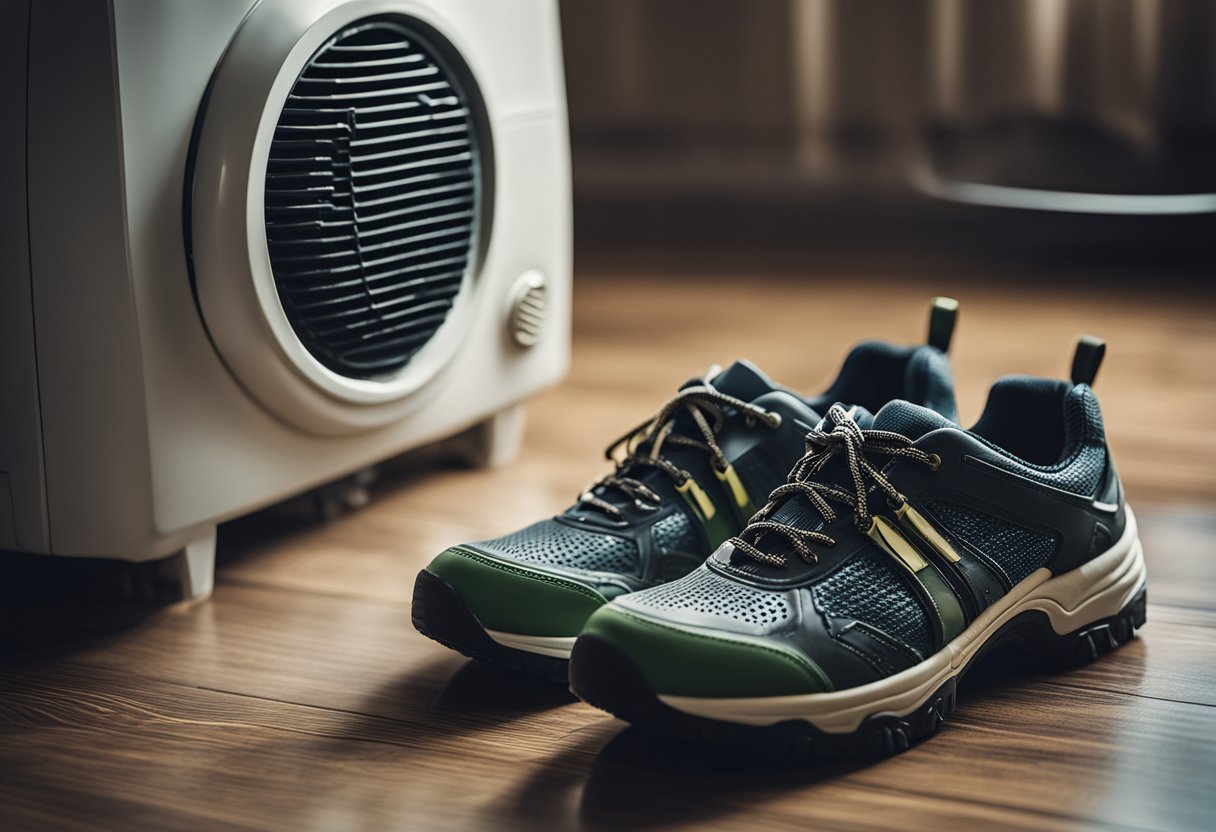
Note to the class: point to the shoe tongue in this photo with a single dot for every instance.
(796, 511)
(863, 417)
(897, 416)
(911, 420)
(743, 380)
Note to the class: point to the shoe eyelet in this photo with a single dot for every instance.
(935, 462)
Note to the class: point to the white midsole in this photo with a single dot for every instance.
(558, 647)
(1096, 590)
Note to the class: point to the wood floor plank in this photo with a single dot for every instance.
(300, 697)
(175, 753)
(1180, 549)
(364, 656)
(330, 669)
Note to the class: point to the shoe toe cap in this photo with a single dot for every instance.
(511, 597)
(678, 660)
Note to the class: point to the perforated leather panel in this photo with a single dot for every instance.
(706, 593)
(556, 544)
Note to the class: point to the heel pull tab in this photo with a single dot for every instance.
(1087, 359)
(943, 313)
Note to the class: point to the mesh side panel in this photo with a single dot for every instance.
(1016, 549)
(868, 589)
(1079, 471)
(1089, 462)
(1082, 468)
(707, 593)
(674, 534)
(556, 544)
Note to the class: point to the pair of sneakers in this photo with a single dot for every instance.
(805, 576)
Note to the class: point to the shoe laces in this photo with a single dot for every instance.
(644, 444)
(859, 446)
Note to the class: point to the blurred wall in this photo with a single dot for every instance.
(740, 96)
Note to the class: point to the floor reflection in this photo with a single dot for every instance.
(641, 780)
(433, 701)
(612, 776)
(477, 687)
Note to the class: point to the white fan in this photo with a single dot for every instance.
(251, 247)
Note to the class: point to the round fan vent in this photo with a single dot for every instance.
(372, 197)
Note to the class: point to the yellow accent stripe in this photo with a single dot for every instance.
(946, 609)
(706, 505)
(916, 521)
(736, 485)
(883, 532)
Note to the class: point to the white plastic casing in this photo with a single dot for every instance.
(148, 435)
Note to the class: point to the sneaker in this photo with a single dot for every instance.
(902, 549)
(685, 481)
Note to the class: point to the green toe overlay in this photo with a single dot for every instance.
(679, 662)
(508, 596)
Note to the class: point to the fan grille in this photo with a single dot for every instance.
(372, 195)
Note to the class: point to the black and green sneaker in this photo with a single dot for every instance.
(685, 481)
(901, 550)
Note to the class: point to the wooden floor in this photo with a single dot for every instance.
(299, 697)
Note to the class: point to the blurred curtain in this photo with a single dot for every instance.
(740, 94)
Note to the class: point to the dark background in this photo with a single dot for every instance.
(732, 134)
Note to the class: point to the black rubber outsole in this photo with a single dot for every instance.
(603, 676)
(440, 613)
